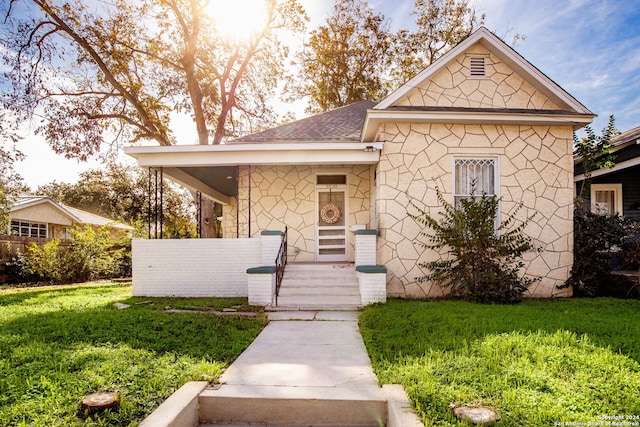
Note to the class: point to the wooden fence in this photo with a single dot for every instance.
(11, 246)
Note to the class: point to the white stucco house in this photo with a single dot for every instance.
(480, 112)
(42, 217)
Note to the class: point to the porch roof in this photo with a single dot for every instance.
(213, 169)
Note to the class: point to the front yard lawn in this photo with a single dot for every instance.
(539, 363)
(59, 344)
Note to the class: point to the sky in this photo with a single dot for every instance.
(591, 48)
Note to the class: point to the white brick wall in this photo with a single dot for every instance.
(262, 289)
(373, 287)
(194, 267)
(270, 247)
(365, 249)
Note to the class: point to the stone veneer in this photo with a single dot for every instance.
(535, 167)
(501, 88)
(284, 195)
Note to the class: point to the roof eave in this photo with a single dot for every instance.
(375, 118)
(46, 200)
(256, 154)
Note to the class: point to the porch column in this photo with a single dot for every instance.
(366, 247)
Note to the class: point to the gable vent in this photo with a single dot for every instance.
(477, 67)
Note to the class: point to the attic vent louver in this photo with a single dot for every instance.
(477, 67)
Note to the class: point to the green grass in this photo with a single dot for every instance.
(58, 344)
(536, 363)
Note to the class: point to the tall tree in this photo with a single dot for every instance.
(344, 60)
(107, 72)
(595, 151)
(11, 183)
(354, 55)
(440, 25)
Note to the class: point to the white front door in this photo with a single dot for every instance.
(331, 223)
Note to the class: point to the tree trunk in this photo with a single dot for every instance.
(209, 224)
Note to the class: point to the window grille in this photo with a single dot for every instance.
(473, 177)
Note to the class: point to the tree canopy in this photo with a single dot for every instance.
(595, 150)
(439, 26)
(355, 56)
(344, 60)
(107, 72)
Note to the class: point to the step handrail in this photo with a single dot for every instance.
(281, 262)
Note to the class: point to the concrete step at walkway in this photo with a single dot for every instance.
(279, 425)
(320, 270)
(319, 300)
(293, 406)
(319, 290)
(299, 373)
(347, 308)
(319, 282)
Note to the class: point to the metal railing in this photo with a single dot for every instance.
(281, 262)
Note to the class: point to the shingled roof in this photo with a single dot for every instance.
(625, 137)
(77, 215)
(340, 125)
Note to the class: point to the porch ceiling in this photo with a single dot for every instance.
(218, 183)
(222, 178)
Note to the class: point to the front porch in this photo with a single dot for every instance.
(246, 267)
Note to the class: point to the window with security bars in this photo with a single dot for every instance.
(474, 177)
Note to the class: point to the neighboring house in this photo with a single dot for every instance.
(41, 217)
(615, 190)
(479, 113)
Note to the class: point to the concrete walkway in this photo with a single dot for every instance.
(326, 350)
(305, 368)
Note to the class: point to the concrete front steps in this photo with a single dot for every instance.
(292, 406)
(310, 287)
(197, 404)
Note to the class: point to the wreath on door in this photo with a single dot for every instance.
(330, 213)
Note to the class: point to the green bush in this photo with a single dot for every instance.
(595, 237)
(482, 262)
(45, 262)
(631, 244)
(90, 254)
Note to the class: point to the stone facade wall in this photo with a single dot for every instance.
(535, 167)
(501, 88)
(285, 196)
(230, 219)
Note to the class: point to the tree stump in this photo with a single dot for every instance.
(98, 402)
